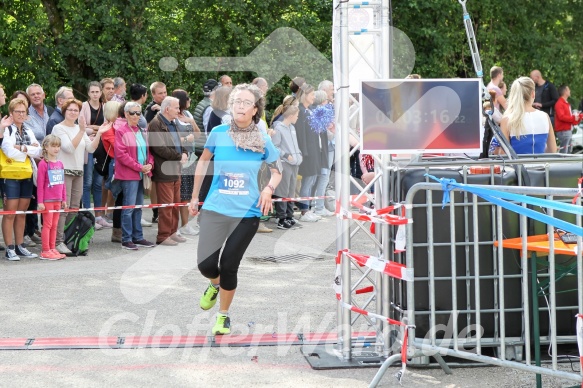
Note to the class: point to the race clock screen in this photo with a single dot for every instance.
(420, 115)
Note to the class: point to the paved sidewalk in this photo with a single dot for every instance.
(154, 292)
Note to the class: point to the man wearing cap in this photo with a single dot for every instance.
(202, 107)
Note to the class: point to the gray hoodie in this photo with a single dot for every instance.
(284, 138)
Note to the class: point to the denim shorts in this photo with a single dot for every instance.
(17, 188)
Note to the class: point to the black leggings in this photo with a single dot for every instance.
(215, 228)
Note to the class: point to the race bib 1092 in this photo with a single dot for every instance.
(233, 183)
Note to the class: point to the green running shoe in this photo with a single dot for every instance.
(209, 298)
(223, 325)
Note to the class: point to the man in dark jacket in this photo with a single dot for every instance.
(63, 94)
(545, 94)
(169, 155)
(159, 93)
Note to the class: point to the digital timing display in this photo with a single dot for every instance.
(420, 115)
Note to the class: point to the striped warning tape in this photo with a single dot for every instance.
(151, 206)
(405, 341)
(376, 216)
(395, 270)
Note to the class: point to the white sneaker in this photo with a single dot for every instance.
(23, 252)
(323, 213)
(11, 255)
(28, 242)
(62, 248)
(145, 223)
(308, 217)
(103, 222)
(188, 230)
(315, 215)
(98, 227)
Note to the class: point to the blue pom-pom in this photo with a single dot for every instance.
(321, 118)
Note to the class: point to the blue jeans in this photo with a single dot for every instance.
(131, 226)
(321, 184)
(564, 138)
(309, 184)
(92, 183)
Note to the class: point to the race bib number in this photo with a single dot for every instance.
(56, 177)
(234, 183)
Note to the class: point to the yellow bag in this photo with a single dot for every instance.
(11, 169)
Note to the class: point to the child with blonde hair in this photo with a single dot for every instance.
(51, 195)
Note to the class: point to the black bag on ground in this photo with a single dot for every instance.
(79, 232)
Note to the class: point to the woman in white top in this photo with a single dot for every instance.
(92, 112)
(74, 143)
(188, 132)
(20, 145)
(529, 130)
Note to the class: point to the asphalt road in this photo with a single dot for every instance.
(154, 292)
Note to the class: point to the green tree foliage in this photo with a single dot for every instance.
(71, 42)
(520, 36)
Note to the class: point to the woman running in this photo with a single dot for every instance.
(230, 215)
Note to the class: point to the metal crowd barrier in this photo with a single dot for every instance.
(471, 300)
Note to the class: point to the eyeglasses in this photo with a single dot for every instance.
(245, 103)
(72, 110)
(20, 112)
(134, 113)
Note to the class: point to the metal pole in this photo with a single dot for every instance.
(525, 281)
(552, 294)
(382, 186)
(453, 263)
(535, 317)
(501, 293)
(343, 179)
(477, 293)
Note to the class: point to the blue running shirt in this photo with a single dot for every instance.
(234, 191)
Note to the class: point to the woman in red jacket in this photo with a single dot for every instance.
(132, 162)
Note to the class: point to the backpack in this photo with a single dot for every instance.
(78, 233)
(101, 160)
(201, 141)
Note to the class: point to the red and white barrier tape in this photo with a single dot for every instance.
(375, 216)
(338, 290)
(389, 219)
(151, 206)
(580, 340)
(394, 270)
(580, 192)
(404, 343)
(75, 210)
(300, 198)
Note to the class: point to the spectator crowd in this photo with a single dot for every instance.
(537, 117)
(109, 150)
